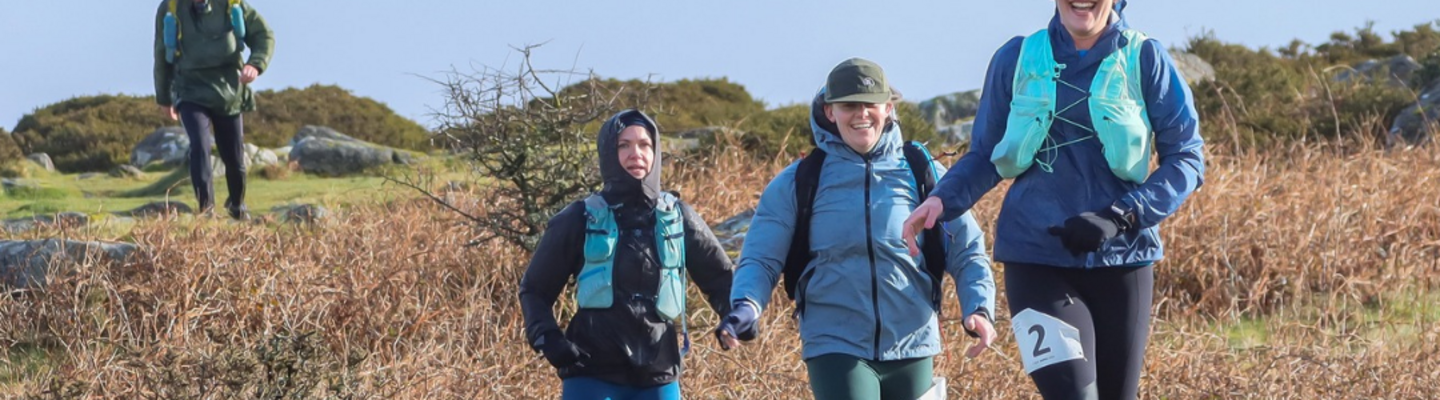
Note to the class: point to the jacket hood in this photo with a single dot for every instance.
(619, 186)
(827, 135)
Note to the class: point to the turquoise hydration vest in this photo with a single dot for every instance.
(595, 286)
(173, 34)
(1117, 110)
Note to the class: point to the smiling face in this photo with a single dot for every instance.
(1085, 20)
(637, 152)
(860, 124)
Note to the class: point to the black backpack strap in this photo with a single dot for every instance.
(936, 239)
(807, 179)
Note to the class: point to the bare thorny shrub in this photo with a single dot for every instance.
(530, 131)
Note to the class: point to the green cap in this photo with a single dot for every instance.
(857, 80)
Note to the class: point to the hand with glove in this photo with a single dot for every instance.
(1086, 232)
(740, 324)
(559, 351)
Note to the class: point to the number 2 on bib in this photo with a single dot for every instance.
(1045, 340)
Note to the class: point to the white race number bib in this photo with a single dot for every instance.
(1045, 340)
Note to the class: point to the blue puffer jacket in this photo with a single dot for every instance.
(1081, 180)
(865, 296)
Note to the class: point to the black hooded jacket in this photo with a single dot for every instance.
(629, 343)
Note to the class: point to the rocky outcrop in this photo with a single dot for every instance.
(8, 185)
(1418, 123)
(731, 232)
(169, 146)
(64, 219)
(159, 208)
(323, 151)
(29, 264)
(43, 160)
(1395, 71)
(304, 213)
(1192, 67)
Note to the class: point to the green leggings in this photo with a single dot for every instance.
(839, 376)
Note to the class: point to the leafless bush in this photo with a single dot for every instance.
(532, 132)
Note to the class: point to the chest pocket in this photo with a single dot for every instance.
(1124, 132)
(595, 284)
(670, 238)
(1025, 131)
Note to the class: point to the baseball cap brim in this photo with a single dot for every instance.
(871, 98)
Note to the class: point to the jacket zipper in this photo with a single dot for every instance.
(870, 248)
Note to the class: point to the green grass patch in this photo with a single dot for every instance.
(24, 360)
(104, 194)
(1397, 316)
(31, 193)
(1246, 333)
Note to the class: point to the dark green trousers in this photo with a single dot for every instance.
(843, 377)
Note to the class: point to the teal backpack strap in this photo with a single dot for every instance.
(237, 23)
(594, 286)
(1118, 111)
(670, 243)
(170, 33)
(1032, 107)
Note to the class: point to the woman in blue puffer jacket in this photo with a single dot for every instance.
(1073, 114)
(868, 325)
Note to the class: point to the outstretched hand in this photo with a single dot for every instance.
(981, 326)
(922, 218)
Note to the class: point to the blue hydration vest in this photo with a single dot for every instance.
(1117, 110)
(173, 34)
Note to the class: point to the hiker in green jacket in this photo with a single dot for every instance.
(202, 78)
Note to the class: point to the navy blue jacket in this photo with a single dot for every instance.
(1081, 181)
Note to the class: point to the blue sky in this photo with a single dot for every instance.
(779, 49)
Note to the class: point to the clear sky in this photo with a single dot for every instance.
(51, 50)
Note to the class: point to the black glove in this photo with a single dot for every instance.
(560, 352)
(740, 323)
(1085, 233)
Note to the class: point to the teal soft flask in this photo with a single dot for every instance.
(171, 31)
(594, 286)
(237, 21)
(670, 298)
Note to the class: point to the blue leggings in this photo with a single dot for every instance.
(582, 388)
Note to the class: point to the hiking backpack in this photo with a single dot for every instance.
(173, 33)
(807, 179)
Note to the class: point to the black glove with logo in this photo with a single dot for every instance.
(1086, 232)
(559, 351)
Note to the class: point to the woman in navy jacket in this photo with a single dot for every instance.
(1073, 114)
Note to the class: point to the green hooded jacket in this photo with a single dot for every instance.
(207, 72)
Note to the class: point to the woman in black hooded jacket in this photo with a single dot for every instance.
(630, 247)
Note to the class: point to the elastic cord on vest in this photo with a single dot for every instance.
(1048, 154)
(1118, 115)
